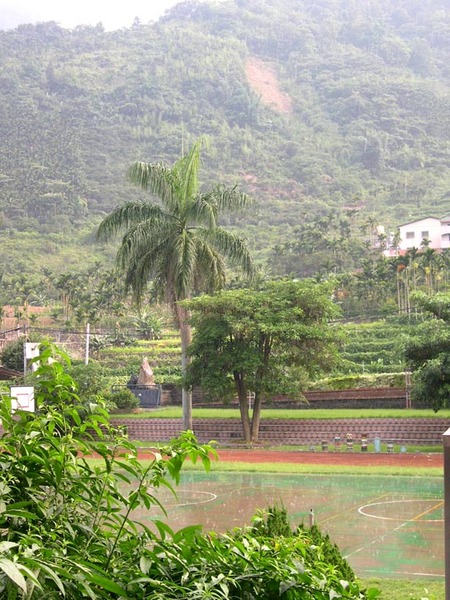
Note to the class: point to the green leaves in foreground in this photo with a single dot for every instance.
(68, 525)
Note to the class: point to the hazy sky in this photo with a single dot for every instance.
(112, 13)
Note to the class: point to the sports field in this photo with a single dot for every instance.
(386, 526)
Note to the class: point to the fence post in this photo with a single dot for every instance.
(446, 443)
(86, 350)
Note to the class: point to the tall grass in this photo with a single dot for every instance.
(402, 589)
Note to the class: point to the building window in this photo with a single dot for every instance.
(425, 235)
(410, 235)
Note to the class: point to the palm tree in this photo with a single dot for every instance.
(177, 243)
(428, 266)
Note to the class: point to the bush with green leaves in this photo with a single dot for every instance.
(90, 379)
(328, 551)
(274, 522)
(68, 526)
(148, 325)
(121, 398)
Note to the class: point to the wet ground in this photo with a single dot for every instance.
(386, 526)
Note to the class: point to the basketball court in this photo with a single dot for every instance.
(385, 526)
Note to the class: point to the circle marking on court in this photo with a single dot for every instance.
(439, 502)
(210, 497)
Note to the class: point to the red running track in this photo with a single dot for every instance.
(334, 458)
(362, 459)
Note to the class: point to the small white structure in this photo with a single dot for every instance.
(433, 232)
(30, 350)
(22, 398)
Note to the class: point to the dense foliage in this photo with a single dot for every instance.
(12, 355)
(68, 525)
(312, 107)
(427, 353)
(274, 522)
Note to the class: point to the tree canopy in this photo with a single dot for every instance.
(266, 341)
(428, 353)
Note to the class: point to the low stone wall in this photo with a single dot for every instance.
(407, 431)
(380, 397)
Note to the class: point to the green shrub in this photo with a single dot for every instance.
(148, 325)
(329, 552)
(344, 382)
(90, 379)
(122, 398)
(67, 524)
(274, 522)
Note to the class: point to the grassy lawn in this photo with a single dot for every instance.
(401, 589)
(175, 412)
(388, 471)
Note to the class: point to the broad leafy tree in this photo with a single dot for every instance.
(177, 242)
(428, 353)
(266, 342)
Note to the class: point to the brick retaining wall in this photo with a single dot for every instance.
(380, 397)
(417, 431)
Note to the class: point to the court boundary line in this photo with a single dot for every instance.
(416, 519)
(409, 573)
(384, 534)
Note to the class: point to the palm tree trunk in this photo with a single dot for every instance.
(186, 395)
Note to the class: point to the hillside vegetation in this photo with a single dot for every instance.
(310, 106)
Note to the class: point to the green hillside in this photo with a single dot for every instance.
(309, 106)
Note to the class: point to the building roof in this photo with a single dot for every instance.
(418, 220)
(446, 217)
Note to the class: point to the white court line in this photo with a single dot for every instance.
(377, 539)
(195, 503)
(386, 533)
(415, 519)
(348, 510)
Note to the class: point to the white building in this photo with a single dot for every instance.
(432, 232)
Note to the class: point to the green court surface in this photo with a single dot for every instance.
(385, 526)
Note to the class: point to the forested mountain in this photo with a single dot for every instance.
(311, 106)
